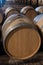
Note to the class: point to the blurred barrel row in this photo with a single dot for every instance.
(21, 31)
(34, 2)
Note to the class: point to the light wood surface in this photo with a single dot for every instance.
(31, 14)
(23, 43)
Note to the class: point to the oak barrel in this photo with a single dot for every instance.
(21, 39)
(29, 12)
(10, 11)
(38, 20)
(40, 2)
(39, 9)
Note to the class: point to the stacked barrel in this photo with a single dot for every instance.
(20, 32)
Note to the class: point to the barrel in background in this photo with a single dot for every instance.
(40, 2)
(38, 20)
(29, 12)
(39, 9)
(10, 11)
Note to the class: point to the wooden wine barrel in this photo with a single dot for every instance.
(10, 11)
(34, 2)
(1, 16)
(38, 20)
(39, 9)
(21, 39)
(29, 12)
(40, 2)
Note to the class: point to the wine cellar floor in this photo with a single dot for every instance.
(36, 60)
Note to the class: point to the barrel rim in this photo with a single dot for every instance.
(22, 24)
(14, 16)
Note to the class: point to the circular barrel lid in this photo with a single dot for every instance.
(22, 44)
